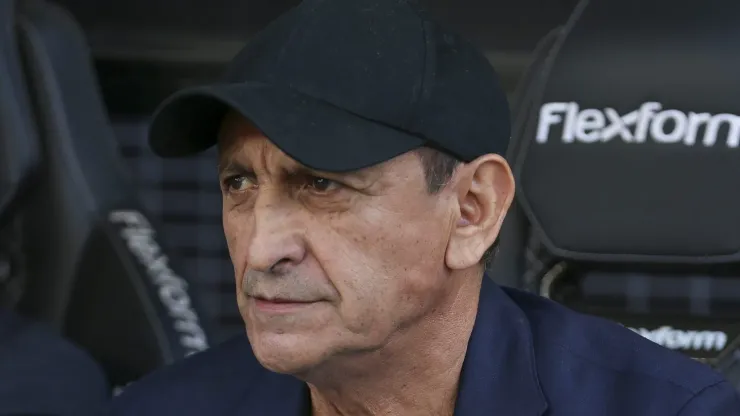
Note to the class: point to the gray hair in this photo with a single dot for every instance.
(438, 170)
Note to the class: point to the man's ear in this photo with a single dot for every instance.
(485, 190)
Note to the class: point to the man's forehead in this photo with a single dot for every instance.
(252, 152)
(242, 146)
(240, 141)
(234, 126)
(238, 138)
(255, 158)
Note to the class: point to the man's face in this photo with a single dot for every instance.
(328, 264)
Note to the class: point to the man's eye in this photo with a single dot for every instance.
(238, 183)
(322, 184)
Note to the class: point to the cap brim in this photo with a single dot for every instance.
(313, 132)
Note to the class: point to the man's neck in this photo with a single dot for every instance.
(416, 373)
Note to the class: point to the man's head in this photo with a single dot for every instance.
(359, 147)
(331, 264)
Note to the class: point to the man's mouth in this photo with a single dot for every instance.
(278, 305)
(278, 299)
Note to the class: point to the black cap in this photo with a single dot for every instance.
(340, 85)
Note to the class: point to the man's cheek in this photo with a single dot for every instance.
(369, 310)
(231, 240)
(237, 245)
(365, 320)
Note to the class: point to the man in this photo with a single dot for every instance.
(363, 190)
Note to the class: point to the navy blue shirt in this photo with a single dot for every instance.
(527, 356)
(41, 374)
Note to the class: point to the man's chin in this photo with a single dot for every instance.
(282, 366)
(286, 353)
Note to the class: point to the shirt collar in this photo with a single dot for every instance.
(499, 375)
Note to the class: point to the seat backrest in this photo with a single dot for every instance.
(626, 158)
(509, 263)
(19, 154)
(99, 272)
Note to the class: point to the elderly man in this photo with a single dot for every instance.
(363, 189)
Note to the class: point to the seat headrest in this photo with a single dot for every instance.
(20, 153)
(631, 152)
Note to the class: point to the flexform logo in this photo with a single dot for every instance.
(650, 122)
(687, 341)
(138, 234)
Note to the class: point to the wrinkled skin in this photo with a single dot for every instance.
(337, 274)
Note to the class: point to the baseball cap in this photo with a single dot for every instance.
(341, 85)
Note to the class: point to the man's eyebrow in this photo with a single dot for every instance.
(231, 165)
(304, 170)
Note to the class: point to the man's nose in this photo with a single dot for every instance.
(277, 237)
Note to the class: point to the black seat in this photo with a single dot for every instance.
(511, 257)
(19, 155)
(96, 269)
(626, 157)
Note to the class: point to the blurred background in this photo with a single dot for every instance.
(123, 253)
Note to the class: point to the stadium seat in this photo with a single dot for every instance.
(626, 145)
(95, 268)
